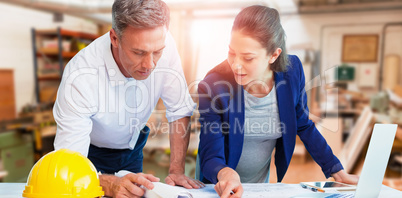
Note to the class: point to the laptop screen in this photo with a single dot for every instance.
(376, 161)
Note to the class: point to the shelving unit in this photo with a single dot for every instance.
(52, 49)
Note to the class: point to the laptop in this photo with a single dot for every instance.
(374, 166)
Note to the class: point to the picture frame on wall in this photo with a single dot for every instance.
(360, 48)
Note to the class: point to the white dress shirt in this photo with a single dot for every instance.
(96, 104)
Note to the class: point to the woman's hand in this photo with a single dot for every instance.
(343, 177)
(229, 184)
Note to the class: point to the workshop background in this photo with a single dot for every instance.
(351, 51)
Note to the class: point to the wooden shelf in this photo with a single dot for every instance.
(68, 54)
(49, 77)
(54, 52)
(64, 32)
(52, 46)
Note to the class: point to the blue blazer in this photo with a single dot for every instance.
(221, 107)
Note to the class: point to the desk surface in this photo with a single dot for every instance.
(14, 190)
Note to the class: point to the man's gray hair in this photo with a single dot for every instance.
(140, 14)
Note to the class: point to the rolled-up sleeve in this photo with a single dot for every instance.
(175, 93)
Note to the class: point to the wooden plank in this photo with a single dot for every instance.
(7, 95)
(64, 32)
(54, 52)
(85, 35)
(359, 135)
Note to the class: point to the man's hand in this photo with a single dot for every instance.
(179, 140)
(343, 177)
(229, 184)
(183, 180)
(127, 186)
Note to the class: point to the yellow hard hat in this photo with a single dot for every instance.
(61, 174)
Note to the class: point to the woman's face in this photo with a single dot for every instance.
(249, 60)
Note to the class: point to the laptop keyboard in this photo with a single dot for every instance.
(349, 195)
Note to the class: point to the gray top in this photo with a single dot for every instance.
(261, 130)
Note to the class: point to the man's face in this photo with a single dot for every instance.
(138, 50)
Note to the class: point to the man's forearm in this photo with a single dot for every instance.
(179, 140)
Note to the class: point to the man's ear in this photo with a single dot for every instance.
(114, 39)
(275, 55)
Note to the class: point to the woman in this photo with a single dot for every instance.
(254, 102)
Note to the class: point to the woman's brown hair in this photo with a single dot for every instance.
(263, 24)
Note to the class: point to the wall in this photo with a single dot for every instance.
(308, 31)
(325, 32)
(16, 44)
(210, 38)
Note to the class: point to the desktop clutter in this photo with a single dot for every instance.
(66, 173)
(372, 175)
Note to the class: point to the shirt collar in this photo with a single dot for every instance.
(115, 76)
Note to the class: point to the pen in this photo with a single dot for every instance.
(311, 188)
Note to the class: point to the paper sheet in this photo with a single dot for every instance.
(162, 190)
(250, 190)
(255, 190)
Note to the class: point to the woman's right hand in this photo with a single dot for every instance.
(229, 185)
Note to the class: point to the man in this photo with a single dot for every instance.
(109, 90)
